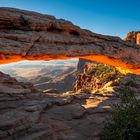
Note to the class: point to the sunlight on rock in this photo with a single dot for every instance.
(54, 39)
(64, 81)
(123, 71)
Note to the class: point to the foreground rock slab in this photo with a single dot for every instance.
(33, 36)
(32, 115)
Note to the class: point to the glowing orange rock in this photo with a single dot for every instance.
(138, 38)
(28, 35)
(133, 37)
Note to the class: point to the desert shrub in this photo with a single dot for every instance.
(130, 82)
(96, 76)
(124, 123)
(126, 95)
(105, 73)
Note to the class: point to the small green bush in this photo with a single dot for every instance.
(130, 82)
(124, 124)
(105, 73)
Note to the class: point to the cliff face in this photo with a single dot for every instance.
(133, 37)
(33, 36)
(94, 76)
(97, 77)
(81, 64)
(87, 79)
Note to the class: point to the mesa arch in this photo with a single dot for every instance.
(26, 35)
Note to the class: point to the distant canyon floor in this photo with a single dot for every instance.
(59, 75)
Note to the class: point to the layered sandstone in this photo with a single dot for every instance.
(27, 114)
(34, 36)
(133, 37)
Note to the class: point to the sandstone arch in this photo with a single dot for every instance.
(33, 36)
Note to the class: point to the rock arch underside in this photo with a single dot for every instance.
(28, 35)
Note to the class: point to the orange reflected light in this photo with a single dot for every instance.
(98, 58)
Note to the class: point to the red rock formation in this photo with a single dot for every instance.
(133, 37)
(138, 38)
(97, 77)
(34, 36)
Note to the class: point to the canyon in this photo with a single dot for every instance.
(27, 113)
(59, 75)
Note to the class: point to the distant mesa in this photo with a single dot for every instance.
(26, 35)
(133, 37)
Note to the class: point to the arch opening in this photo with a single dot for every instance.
(59, 75)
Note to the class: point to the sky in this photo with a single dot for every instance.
(109, 17)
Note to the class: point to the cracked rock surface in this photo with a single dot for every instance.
(33, 36)
(25, 113)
